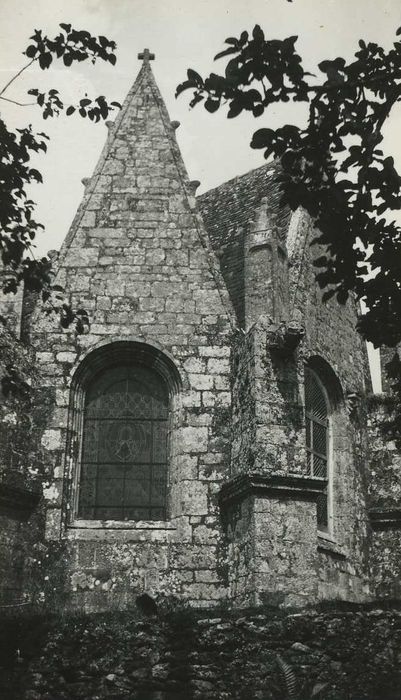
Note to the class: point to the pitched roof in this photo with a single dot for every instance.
(137, 235)
(227, 211)
(132, 149)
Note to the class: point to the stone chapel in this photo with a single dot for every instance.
(213, 436)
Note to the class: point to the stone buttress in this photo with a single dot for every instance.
(385, 486)
(278, 551)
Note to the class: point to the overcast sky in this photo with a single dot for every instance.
(182, 34)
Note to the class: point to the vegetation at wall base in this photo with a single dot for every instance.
(348, 652)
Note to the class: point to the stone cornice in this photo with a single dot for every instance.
(17, 500)
(385, 518)
(330, 547)
(301, 488)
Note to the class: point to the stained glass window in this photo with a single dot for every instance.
(124, 446)
(317, 437)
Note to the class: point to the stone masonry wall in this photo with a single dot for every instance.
(267, 411)
(384, 501)
(269, 451)
(20, 471)
(271, 516)
(331, 335)
(137, 259)
(244, 404)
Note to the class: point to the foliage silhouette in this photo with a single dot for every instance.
(18, 227)
(333, 166)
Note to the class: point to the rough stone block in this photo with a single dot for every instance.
(81, 257)
(68, 357)
(218, 366)
(89, 219)
(201, 382)
(194, 558)
(53, 524)
(52, 439)
(205, 535)
(195, 439)
(194, 365)
(194, 498)
(191, 399)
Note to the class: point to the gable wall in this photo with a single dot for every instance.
(137, 259)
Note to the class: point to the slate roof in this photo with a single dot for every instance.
(227, 211)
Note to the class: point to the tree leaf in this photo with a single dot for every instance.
(225, 52)
(235, 109)
(45, 59)
(31, 51)
(262, 138)
(212, 105)
(194, 77)
(257, 33)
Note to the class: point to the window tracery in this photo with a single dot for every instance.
(123, 472)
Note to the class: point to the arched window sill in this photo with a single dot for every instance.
(121, 525)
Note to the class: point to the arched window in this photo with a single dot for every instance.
(317, 439)
(123, 473)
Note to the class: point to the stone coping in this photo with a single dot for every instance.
(305, 488)
(385, 518)
(330, 546)
(18, 500)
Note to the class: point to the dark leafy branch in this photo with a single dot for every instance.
(333, 167)
(18, 226)
(70, 45)
(52, 105)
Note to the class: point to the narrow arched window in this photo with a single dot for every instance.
(123, 473)
(317, 439)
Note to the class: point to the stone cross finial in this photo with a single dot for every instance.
(146, 56)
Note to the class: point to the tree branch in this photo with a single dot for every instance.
(20, 104)
(17, 75)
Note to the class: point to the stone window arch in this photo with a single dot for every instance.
(123, 395)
